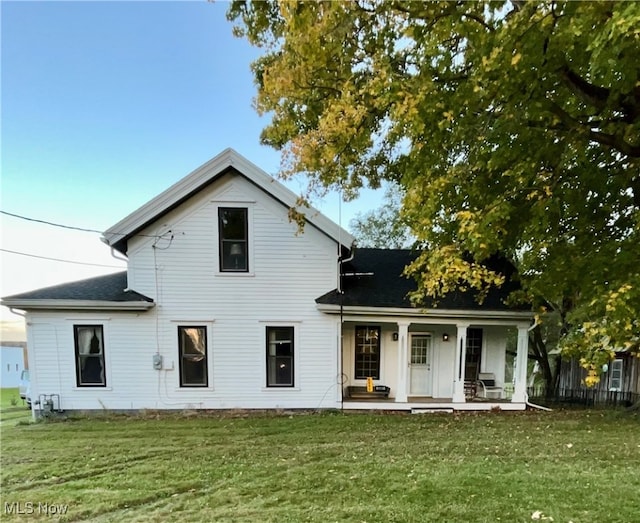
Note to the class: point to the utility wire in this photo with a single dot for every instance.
(83, 229)
(61, 260)
(50, 223)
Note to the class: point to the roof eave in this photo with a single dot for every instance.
(117, 235)
(83, 305)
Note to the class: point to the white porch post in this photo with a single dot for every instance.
(461, 354)
(520, 385)
(403, 362)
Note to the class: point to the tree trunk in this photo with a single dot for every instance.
(550, 373)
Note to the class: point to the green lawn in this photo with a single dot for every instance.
(571, 466)
(12, 408)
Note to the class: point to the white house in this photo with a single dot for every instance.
(226, 305)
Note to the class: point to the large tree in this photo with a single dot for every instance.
(383, 227)
(513, 127)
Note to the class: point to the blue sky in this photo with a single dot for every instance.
(105, 105)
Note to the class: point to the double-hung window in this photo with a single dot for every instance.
(367, 363)
(192, 344)
(473, 354)
(615, 381)
(280, 350)
(233, 232)
(89, 355)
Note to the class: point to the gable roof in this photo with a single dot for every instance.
(374, 279)
(227, 161)
(107, 292)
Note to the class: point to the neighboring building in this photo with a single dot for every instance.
(12, 360)
(225, 304)
(619, 382)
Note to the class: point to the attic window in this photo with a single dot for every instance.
(233, 234)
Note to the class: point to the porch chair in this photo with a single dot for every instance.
(487, 387)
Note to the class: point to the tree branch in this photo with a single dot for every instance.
(599, 97)
(588, 92)
(616, 142)
(480, 20)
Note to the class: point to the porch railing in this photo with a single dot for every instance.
(582, 397)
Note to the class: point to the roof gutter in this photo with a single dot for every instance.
(85, 305)
(422, 313)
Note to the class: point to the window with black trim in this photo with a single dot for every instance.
(233, 234)
(89, 351)
(280, 350)
(192, 343)
(473, 354)
(367, 353)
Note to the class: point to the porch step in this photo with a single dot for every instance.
(432, 411)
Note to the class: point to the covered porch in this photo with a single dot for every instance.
(422, 364)
(457, 352)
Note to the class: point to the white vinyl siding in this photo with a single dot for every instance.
(288, 272)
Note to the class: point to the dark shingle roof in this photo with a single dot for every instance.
(110, 287)
(387, 287)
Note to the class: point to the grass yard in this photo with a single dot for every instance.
(12, 408)
(570, 466)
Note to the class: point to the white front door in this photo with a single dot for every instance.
(420, 365)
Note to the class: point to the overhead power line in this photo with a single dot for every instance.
(50, 223)
(71, 227)
(61, 260)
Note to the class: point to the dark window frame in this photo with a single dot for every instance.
(473, 353)
(90, 367)
(182, 357)
(366, 361)
(274, 359)
(223, 241)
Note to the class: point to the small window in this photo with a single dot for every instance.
(89, 349)
(420, 347)
(192, 343)
(233, 233)
(615, 383)
(367, 353)
(280, 356)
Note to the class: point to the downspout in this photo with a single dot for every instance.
(533, 405)
(113, 254)
(341, 261)
(17, 313)
(341, 345)
(113, 250)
